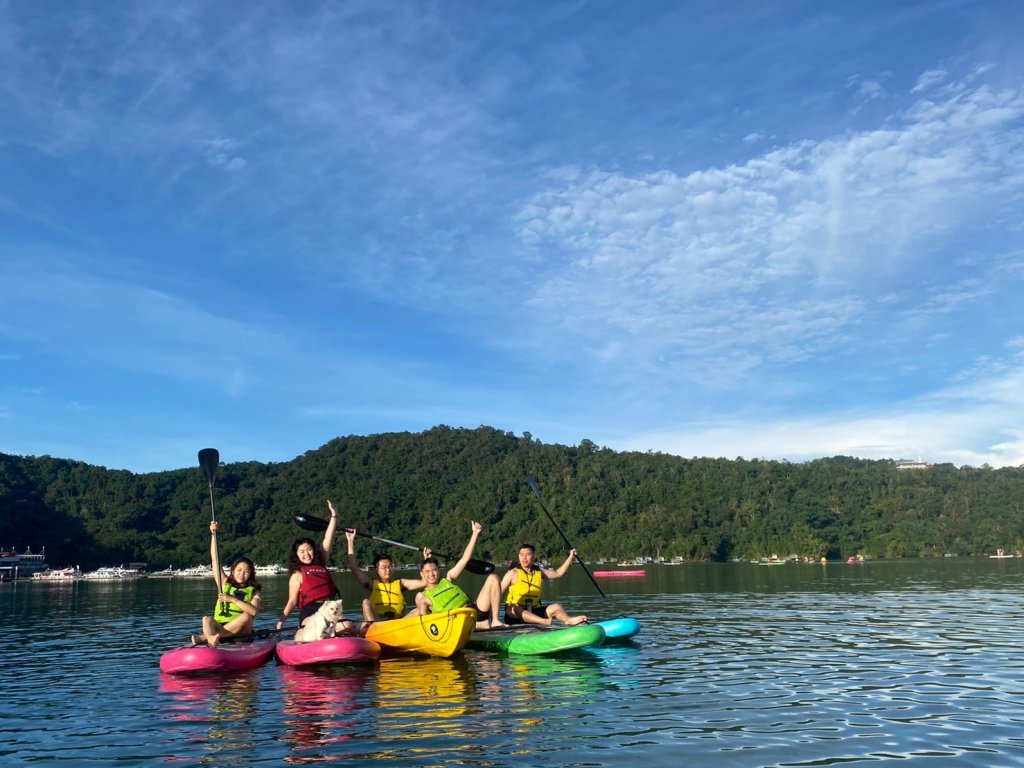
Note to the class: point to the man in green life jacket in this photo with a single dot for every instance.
(443, 595)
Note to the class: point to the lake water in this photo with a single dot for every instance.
(918, 662)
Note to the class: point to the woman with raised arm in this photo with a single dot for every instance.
(310, 583)
(238, 598)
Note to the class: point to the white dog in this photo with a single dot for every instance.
(321, 624)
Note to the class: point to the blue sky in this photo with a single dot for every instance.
(772, 230)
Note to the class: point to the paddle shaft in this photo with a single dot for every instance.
(536, 492)
(209, 459)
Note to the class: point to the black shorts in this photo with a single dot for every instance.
(537, 610)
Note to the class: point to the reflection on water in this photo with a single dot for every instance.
(225, 707)
(736, 665)
(321, 709)
(421, 702)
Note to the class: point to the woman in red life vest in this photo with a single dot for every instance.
(310, 583)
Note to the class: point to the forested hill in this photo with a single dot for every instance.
(425, 488)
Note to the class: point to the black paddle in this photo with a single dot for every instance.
(209, 460)
(311, 523)
(536, 492)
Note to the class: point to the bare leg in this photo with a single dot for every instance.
(345, 627)
(210, 631)
(368, 613)
(556, 611)
(238, 626)
(528, 617)
(489, 601)
(422, 605)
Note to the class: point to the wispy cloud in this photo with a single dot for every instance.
(399, 214)
(782, 255)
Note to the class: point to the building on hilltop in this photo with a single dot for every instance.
(903, 464)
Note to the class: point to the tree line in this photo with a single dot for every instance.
(424, 488)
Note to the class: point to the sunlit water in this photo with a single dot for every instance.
(799, 665)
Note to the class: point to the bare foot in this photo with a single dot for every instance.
(197, 640)
(576, 620)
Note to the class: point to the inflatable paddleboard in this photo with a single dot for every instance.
(537, 641)
(327, 651)
(224, 657)
(619, 629)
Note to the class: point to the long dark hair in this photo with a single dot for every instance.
(294, 564)
(252, 574)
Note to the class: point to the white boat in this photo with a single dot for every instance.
(271, 570)
(60, 574)
(197, 572)
(22, 566)
(166, 573)
(110, 573)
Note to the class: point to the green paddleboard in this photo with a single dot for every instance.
(537, 641)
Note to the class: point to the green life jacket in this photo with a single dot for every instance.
(226, 611)
(446, 597)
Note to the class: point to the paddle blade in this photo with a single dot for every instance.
(209, 459)
(311, 523)
(533, 485)
(480, 567)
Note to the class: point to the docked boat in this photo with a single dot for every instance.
(271, 570)
(109, 573)
(166, 573)
(60, 574)
(22, 566)
(530, 640)
(226, 656)
(436, 634)
(197, 572)
(331, 650)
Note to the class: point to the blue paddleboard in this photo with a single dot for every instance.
(619, 629)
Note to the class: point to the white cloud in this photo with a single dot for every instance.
(867, 88)
(223, 153)
(781, 255)
(929, 80)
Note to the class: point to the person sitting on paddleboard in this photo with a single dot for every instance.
(310, 583)
(441, 595)
(386, 600)
(238, 598)
(521, 587)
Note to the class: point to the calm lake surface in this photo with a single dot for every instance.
(920, 662)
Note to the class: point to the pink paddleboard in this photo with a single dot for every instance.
(612, 574)
(328, 650)
(223, 658)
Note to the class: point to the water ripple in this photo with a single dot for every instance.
(735, 666)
